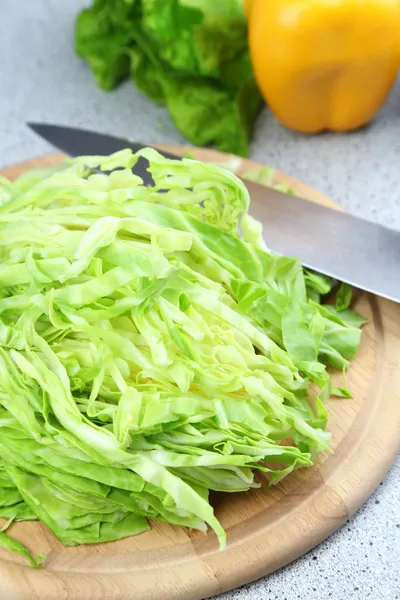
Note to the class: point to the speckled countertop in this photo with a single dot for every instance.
(41, 79)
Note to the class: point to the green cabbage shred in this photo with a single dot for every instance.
(152, 349)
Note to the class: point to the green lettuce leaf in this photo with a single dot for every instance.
(190, 55)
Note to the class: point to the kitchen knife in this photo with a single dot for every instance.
(344, 247)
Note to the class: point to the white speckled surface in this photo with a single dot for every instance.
(41, 79)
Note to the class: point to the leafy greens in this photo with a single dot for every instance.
(191, 55)
(152, 349)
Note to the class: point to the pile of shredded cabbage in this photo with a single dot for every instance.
(151, 349)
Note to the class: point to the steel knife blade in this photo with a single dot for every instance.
(347, 248)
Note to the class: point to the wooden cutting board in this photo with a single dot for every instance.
(266, 528)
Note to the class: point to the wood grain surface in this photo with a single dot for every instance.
(266, 528)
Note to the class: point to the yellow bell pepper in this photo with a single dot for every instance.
(324, 64)
(248, 5)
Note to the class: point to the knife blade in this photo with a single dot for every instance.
(347, 248)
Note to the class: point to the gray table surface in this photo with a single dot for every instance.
(42, 80)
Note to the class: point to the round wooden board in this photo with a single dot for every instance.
(266, 528)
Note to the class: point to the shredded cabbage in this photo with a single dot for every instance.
(152, 349)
